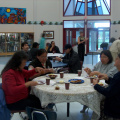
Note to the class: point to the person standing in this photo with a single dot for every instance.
(81, 46)
(42, 41)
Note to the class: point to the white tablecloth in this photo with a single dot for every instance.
(83, 93)
(54, 55)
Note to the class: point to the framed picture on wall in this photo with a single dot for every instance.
(49, 34)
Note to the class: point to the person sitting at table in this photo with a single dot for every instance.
(15, 87)
(111, 93)
(71, 58)
(25, 48)
(41, 61)
(106, 65)
(34, 49)
(53, 48)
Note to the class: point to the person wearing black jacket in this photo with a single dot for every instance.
(112, 92)
(34, 49)
(71, 58)
(41, 61)
(53, 48)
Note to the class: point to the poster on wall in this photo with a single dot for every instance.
(12, 15)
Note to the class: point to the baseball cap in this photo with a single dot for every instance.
(67, 46)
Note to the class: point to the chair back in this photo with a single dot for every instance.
(4, 111)
(38, 114)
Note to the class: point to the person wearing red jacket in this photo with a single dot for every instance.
(15, 83)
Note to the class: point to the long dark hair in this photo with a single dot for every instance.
(41, 51)
(15, 61)
(108, 54)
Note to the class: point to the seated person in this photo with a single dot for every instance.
(25, 48)
(14, 85)
(104, 45)
(53, 48)
(71, 58)
(34, 49)
(41, 61)
(111, 93)
(106, 65)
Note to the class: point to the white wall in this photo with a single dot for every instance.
(51, 10)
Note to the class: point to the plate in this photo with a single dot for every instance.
(76, 81)
(41, 82)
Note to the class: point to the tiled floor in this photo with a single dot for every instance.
(75, 107)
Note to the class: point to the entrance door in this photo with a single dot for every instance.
(93, 39)
(70, 36)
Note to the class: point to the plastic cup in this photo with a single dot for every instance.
(91, 80)
(47, 81)
(61, 74)
(53, 59)
(79, 72)
(67, 84)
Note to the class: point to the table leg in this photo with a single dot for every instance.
(92, 58)
(68, 109)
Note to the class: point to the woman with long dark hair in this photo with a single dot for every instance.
(15, 83)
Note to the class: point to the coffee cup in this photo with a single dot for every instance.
(67, 84)
(61, 74)
(47, 81)
(53, 59)
(91, 79)
(79, 72)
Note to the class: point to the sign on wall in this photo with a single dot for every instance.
(12, 15)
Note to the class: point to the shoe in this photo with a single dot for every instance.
(85, 108)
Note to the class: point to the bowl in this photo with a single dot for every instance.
(52, 76)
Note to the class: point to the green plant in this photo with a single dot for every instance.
(119, 22)
(56, 23)
(29, 22)
(61, 23)
(114, 22)
(50, 23)
(35, 22)
(45, 23)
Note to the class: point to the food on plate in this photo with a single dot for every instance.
(100, 83)
(75, 81)
(94, 76)
(61, 81)
(57, 88)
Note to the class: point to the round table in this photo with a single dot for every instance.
(83, 93)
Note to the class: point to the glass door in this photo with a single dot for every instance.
(93, 39)
(103, 36)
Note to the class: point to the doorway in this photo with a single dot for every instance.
(97, 37)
